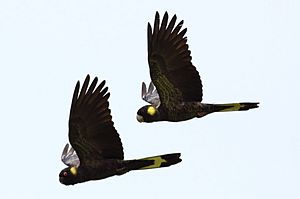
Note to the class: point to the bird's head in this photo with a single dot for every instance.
(148, 113)
(69, 176)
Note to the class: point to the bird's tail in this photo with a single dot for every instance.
(154, 162)
(243, 106)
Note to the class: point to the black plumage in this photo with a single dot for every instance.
(96, 142)
(176, 79)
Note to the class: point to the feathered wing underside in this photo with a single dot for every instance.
(91, 129)
(171, 69)
(69, 157)
(150, 95)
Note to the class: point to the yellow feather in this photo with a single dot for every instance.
(232, 107)
(151, 110)
(73, 170)
(157, 162)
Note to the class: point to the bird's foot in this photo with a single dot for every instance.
(122, 171)
(201, 114)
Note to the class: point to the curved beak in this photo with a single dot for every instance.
(139, 118)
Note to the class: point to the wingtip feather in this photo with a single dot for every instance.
(143, 90)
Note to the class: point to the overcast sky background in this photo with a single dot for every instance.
(244, 51)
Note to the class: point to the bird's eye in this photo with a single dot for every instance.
(151, 110)
(65, 174)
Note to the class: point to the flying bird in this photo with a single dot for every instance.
(175, 93)
(96, 150)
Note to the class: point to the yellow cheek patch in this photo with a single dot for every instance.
(73, 170)
(151, 110)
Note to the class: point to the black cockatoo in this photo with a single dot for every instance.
(178, 92)
(96, 150)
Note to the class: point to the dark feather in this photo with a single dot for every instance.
(169, 59)
(91, 129)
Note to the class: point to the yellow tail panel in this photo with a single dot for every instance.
(231, 107)
(158, 160)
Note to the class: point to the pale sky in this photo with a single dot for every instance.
(243, 50)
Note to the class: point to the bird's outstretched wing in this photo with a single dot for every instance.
(151, 96)
(91, 129)
(171, 69)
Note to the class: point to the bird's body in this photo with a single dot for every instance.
(182, 112)
(189, 110)
(97, 150)
(178, 94)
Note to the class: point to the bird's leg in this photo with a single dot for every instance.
(201, 114)
(202, 110)
(122, 171)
